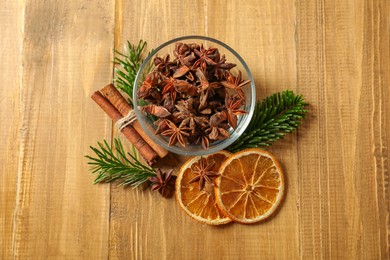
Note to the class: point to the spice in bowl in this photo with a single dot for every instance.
(195, 98)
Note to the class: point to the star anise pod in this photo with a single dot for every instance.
(215, 105)
(180, 72)
(203, 172)
(188, 104)
(176, 134)
(205, 85)
(168, 87)
(189, 119)
(235, 83)
(217, 118)
(232, 110)
(168, 102)
(203, 139)
(205, 57)
(162, 125)
(217, 133)
(149, 83)
(154, 95)
(185, 88)
(187, 60)
(184, 54)
(221, 67)
(163, 182)
(206, 88)
(163, 64)
(175, 86)
(194, 46)
(155, 110)
(181, 49)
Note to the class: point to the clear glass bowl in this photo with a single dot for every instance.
(231, 57)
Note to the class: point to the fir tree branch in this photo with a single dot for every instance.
(273, 118)
(130, 61)
(116, 165)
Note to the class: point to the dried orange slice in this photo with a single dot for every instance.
(250, 186)
(195, 188)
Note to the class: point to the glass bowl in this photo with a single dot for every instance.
(231, 57)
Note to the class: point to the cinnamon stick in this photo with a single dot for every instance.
(129, 132)
(119, 102)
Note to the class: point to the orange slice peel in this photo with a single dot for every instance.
(197, 198)
(250, 186)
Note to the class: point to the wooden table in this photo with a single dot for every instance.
(54, 54)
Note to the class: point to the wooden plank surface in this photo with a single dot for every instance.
(10, 30)
(336, 53)
(342, 155)
(66, 53)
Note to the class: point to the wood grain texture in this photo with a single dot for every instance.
(335, 53)
(343, 178)
(66, 50)
(10, 73)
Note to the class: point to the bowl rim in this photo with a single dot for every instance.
(184, 150)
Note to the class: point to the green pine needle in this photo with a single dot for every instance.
(115, 165)
(130, 61)
(273, 118)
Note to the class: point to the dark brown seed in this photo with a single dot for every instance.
(206, 111)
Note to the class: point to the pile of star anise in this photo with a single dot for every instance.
(194, 96)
